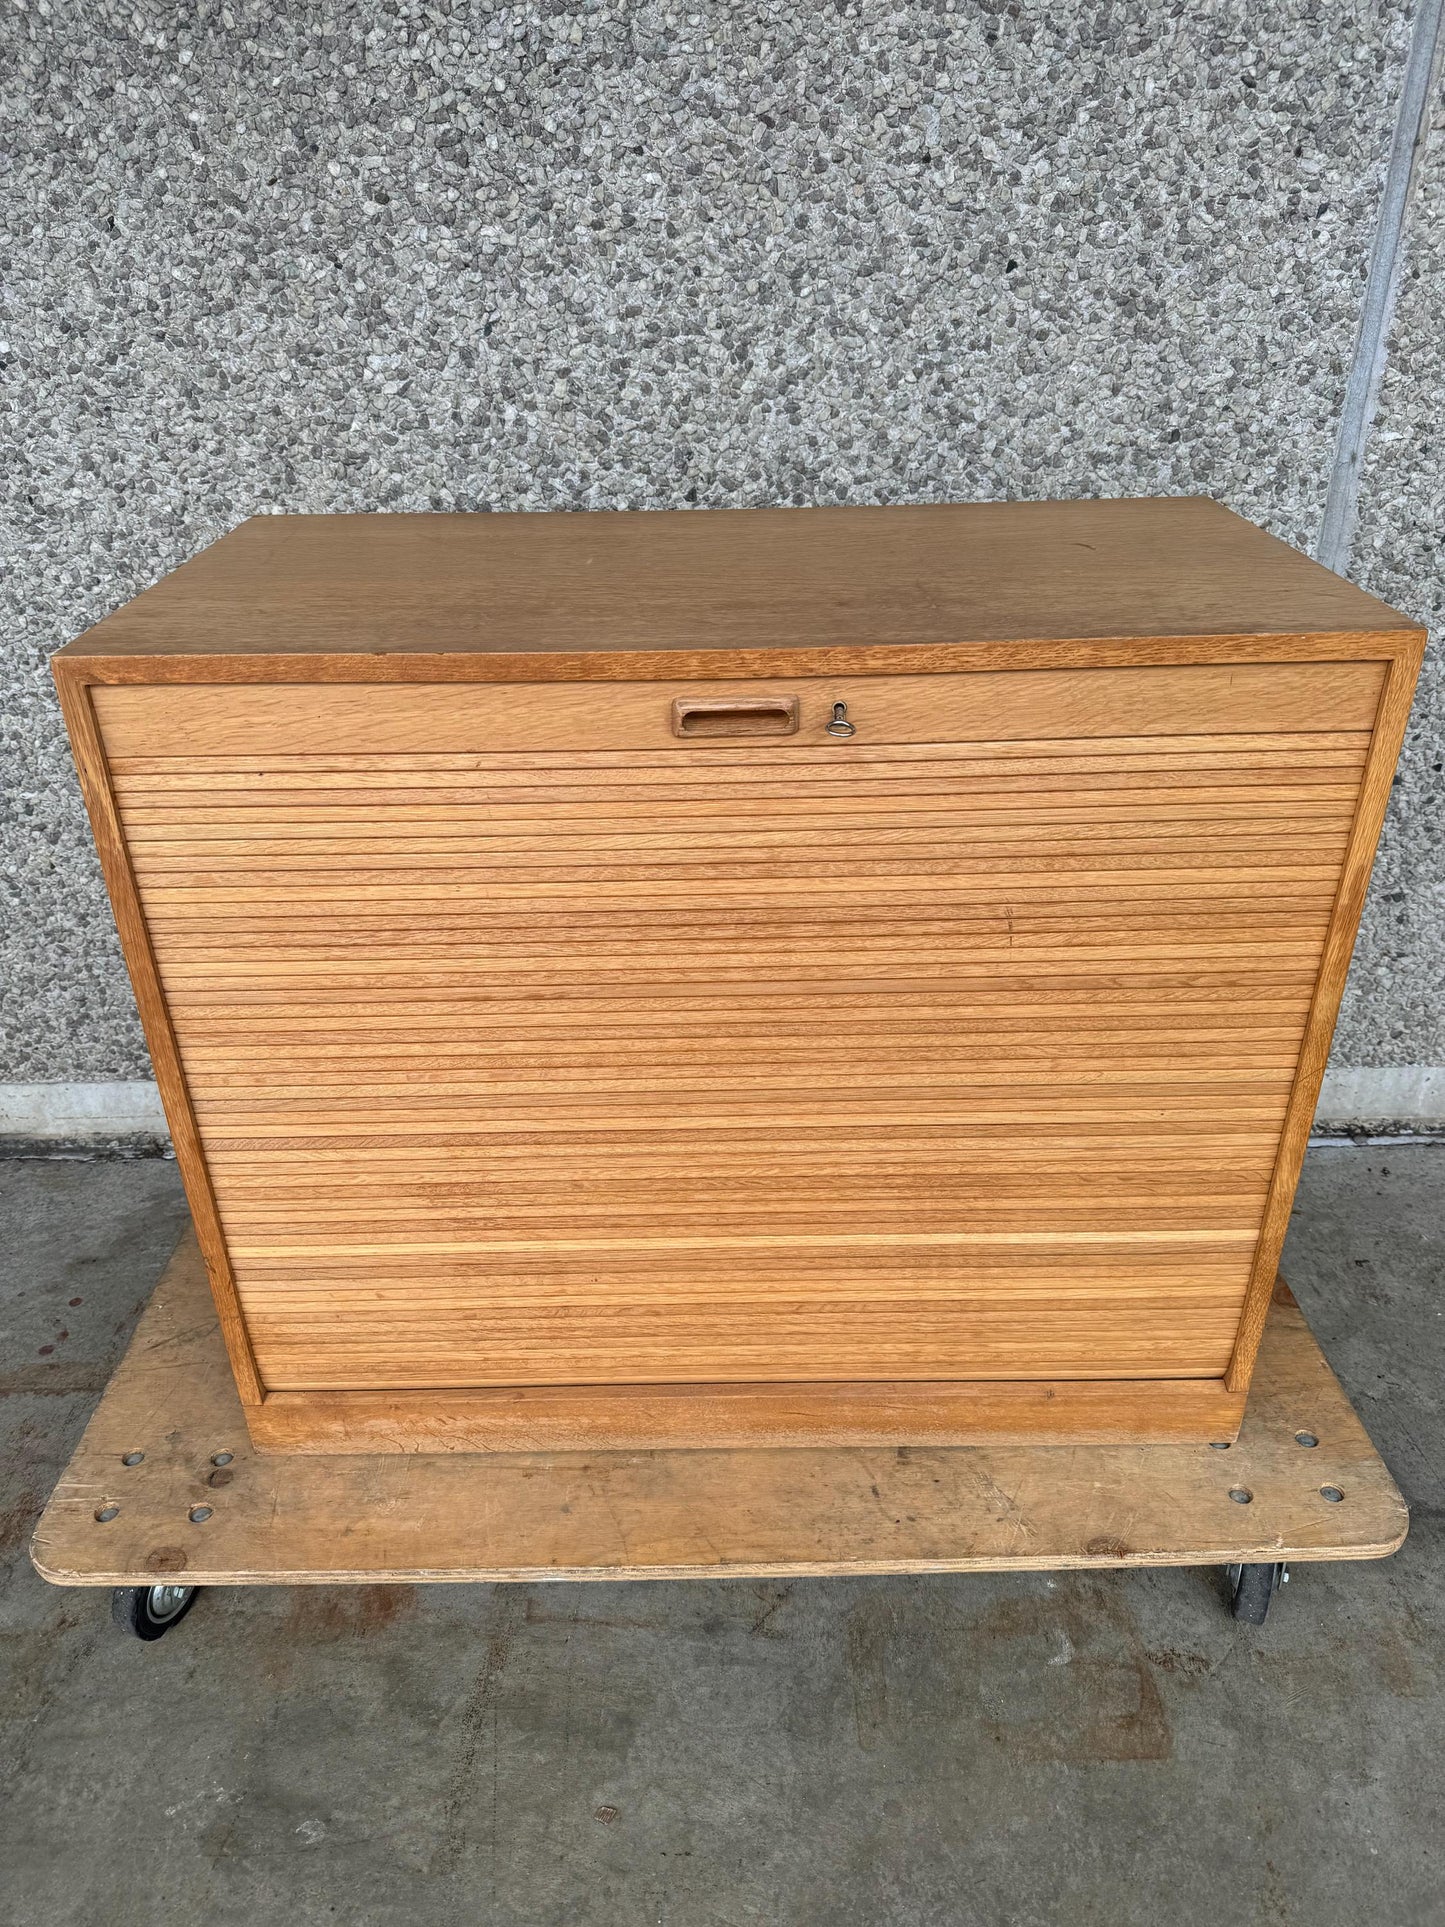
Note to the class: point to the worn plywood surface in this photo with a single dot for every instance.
(653, 1515)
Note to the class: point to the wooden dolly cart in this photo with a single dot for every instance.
(165, 1496)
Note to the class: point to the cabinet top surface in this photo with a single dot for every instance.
(741, 579)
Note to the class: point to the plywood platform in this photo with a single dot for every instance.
(275, 1520)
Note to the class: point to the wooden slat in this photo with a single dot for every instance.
(162, 775)
(405, 976)
(651, 1343)
(744, 787)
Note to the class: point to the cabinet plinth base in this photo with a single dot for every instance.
(726, 1417)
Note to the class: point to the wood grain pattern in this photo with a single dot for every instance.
(366, 1517)
(97, 663)
(700, 1081)
(780, 581)
(647, 1418)
(317, 720)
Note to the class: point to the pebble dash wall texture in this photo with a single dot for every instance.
(406, 256)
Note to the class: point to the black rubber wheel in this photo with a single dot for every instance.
(149, 1611)
(1252, 1591)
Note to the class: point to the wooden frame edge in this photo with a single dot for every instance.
(684, 1417)
(92, 766)
(1389, 731)
(110, 664)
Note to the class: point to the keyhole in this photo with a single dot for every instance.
(840, 726)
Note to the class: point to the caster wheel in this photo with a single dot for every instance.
(1252, 1590)
(149, 1611)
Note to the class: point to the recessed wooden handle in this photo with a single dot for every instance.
(735, 716)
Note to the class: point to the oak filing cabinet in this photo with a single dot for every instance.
(742, 977)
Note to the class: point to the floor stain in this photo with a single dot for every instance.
(59, 1380)
(1165, 1659)
(538, 1614)
(1072, 1681)
(771, 1597)
(17, 1519)
(870, 1627)
(347, 1612)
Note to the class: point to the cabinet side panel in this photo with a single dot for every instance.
(1389, 731)
(96, 786)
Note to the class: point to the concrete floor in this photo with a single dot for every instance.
(889, 1753)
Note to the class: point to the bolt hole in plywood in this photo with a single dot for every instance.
(571, 1040)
